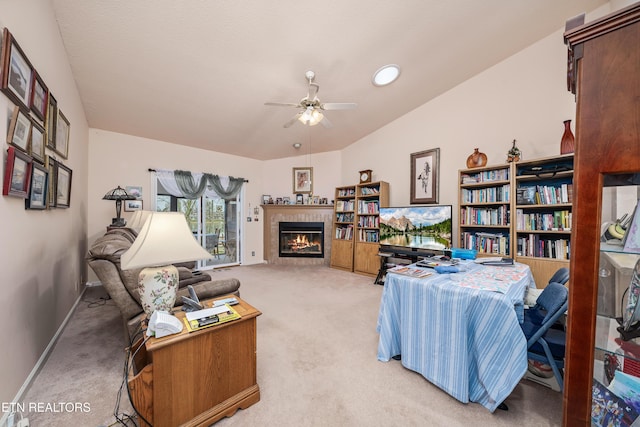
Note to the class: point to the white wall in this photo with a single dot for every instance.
(42, 251)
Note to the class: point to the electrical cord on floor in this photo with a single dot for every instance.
(125, 382)
(97, 302)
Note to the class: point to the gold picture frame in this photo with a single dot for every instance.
(303, 180)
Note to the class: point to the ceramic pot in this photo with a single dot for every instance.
(567, 143)
(476, 159)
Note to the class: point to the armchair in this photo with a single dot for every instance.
(121, 285)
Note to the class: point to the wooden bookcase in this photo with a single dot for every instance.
(521, 210)
(370, 197)
(343, 228)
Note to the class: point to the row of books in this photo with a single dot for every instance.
(485, 216)
(554, 221)
(368, 191)
(486, 243)
(368, 236)
(344, 217)
(369, 221)
(544, 194)
(368, 207)
(346, 192)
(486, 195)
(344, 233)
(345, 205)
(486, 176)
(535, 245)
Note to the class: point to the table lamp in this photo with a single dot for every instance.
(118, 194)
(138, 219)
(165, 238)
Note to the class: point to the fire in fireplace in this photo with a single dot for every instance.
(301, 239)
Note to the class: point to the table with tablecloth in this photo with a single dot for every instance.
(461, 331)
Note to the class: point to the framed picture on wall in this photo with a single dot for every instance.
(38, 189)
(62, 135)
(36, 146)
(17, 174)
(303, 180)
(132, 205)
(38, 100)
(63, 186)
(19, 130)
(16, 72)
(50, 122)
(425, 167)
(50, 165)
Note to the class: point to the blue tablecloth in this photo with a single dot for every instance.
(462, 338)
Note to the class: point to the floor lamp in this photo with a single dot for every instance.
(165, 238)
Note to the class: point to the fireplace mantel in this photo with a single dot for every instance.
(274, 214)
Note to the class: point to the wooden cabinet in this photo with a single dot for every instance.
(356, 226)
(543, 190)
(370, 197)
(605, 73)
(197, 378)
(343, 228)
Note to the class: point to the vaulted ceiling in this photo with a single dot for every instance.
(198, 72)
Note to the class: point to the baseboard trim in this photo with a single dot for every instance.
(43, 358)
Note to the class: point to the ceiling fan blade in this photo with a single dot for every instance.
(293, 120)
(326, 123)
(281, 104)
(338, 105)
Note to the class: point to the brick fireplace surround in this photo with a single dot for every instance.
(274, 214)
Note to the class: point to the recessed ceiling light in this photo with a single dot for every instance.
(386, 75)
(297, 145)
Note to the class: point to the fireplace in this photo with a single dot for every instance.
(301, 239)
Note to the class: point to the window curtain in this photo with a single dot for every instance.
(181, 183)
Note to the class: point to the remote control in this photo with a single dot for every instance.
(230, 301)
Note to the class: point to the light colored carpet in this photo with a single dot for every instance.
(317, 363)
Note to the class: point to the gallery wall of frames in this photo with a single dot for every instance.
(38, 134)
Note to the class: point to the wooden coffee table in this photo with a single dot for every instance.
(197, 378)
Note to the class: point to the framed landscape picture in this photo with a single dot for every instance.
(62, 135)
(50, 122)
(132, 205)
(38, 101)
(36, 147)
(38, 192)
(63, 186)
(19, 130)
(17, 174)
(16, 72)
(50, 165)
(303, 180)
(425, 167)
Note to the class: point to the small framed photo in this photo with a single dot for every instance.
(286, 200)
(135, 191)
(424, 176)
(50, 165)
(299, 199)
(38, 192)
(266, 198)
(63, 186)
(16, 72)
(324, 201)
(50, 122)
(19, 130)
(62, 135)
(279, 201)
(36, 147)
(132, 205)
(303, 180)
(316, 200)
(17, 174)
(38, 100)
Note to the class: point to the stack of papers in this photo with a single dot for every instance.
(200, 319)
(410, 271)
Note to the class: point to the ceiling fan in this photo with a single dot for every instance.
(311, 108)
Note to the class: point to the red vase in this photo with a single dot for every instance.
(568, 142)
(476, 159)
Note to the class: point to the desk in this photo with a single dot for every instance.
(197, 378)
(465, 340)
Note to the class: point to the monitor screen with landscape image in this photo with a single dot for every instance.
(417, 227)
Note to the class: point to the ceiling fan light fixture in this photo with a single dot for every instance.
(311, 117)
(386, 75)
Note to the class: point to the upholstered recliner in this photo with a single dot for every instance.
(122, 285)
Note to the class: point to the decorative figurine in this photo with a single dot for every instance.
(513, 155)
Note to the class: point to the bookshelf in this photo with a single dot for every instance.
(370, 197)
(343, 228)
(485, 209)
(521, 210)
(543, 214)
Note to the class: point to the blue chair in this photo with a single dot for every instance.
(561, 276)
(546, 344)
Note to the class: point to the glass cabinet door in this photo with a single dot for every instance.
(616, 371)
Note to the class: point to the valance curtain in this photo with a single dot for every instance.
(194, 185)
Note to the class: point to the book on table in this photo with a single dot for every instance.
(200, 319)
